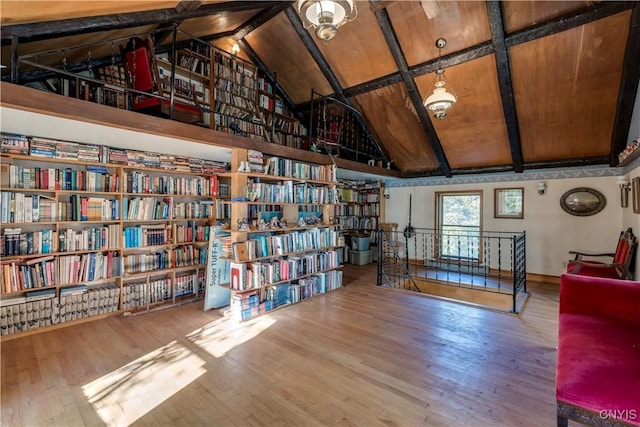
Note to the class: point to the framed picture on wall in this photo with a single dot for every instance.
(635, 194)
(509, 203)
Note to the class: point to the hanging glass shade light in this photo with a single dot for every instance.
(326, 16)
(443, 97)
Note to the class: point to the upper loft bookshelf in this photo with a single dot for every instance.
(195, 82)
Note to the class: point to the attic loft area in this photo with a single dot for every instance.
(190, 80)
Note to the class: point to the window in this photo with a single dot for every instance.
(459, 225)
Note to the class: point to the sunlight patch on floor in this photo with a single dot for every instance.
(222, 335)
(126, 394)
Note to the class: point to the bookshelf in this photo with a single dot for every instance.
(235, 97)
(90, 231)
(362, 209)
(283, 127)
(281, 261)
(192, 80)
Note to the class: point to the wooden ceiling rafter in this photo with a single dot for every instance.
(571, 20)
(564, 163)
(260, 18)
(315, 53)
(628, 89)
(568, 163)
(328, 73)
(460, 171)
(182, 7)
(568, 21)
(382, 16)
(74, 26)
(496, 26)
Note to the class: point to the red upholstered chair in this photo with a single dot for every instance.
(621, 263)
(142, 75)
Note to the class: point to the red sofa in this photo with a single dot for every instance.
(598, 369)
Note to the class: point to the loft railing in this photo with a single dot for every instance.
(77, 71)
(490, 262)
(354, 141)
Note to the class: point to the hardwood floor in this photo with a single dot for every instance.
(360, 356)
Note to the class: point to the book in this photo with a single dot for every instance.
(41, 294)
(238, 276)
(240, 252)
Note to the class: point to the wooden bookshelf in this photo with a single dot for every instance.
(263, 281)
(137, 254)
(362, 209)
(75, 245)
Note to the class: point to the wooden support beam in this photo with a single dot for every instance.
(568, 163)
(394, 46)
(260, 18)
(326, 70)
(315, 53)
(68, 27)
(182, 7)
(628, 89)
(566, 22)
(504, 82)
(588, 161)
(455, 58)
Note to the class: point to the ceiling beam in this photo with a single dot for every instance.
(568, 163)
(496, 25)
(566, 22)
(549, 164)
(183, 6)
(474, 52)
(326, 70)
(628, 89)
(69, 27)
(455, 58)
(571, 20)
(315, 53)
(371, 85)
(382, 16)
(260, 18)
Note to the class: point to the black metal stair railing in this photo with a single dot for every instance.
(486, 261)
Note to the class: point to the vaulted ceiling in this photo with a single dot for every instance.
(539, 83)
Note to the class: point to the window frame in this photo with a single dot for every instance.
(438, 225)
(499, 210)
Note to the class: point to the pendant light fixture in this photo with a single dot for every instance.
(441, 100)
(326, 16)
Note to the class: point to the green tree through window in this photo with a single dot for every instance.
(459, 225)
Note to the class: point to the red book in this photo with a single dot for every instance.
(214, 185)
(84, 216)
(238, 273)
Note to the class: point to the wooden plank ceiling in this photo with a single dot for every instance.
(538, 82)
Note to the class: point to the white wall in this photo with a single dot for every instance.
(551, 232)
